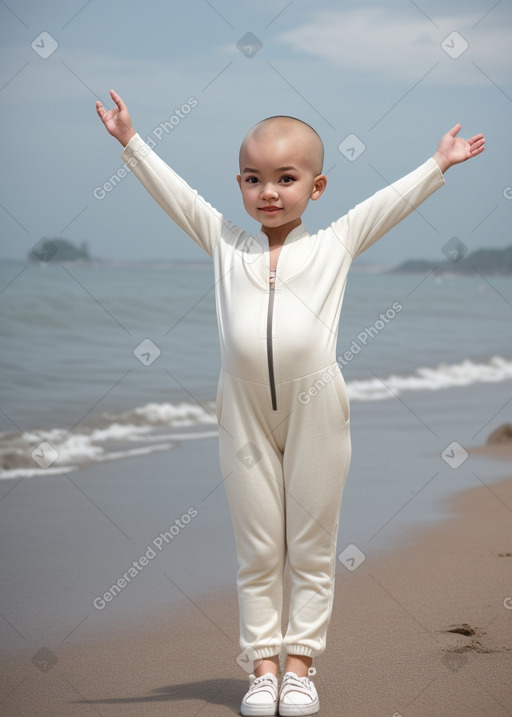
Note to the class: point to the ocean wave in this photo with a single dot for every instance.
(166, 414)
(112, 435)
(444, 376)
(60, 450)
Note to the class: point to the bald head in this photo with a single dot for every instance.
(281, 128)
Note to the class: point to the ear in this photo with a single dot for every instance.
(319, 185)
(239, 180)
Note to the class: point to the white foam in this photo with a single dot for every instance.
(444, 376)
(169, 414)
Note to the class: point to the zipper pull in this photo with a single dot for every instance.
(272, 277)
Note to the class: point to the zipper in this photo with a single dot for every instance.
(270, 354)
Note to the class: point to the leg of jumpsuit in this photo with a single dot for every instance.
(316, 462)
(251, 465)
(284, 474)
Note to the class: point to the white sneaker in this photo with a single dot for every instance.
(298, 695)
(261, 699)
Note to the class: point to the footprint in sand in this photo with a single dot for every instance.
(455, 656)
(454, 661)
(463, 629)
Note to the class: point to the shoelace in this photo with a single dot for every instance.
(260, 680)
(291, 682)
(299, 682)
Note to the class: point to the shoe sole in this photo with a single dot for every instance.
(290, 710)
(258, 710)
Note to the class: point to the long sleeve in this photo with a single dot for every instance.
(371, 219)
(182, 203)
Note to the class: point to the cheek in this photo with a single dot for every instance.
(246, 189)
(299, 196)
(249, 200)
(247, 196)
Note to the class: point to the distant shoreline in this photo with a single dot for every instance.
(482, 262)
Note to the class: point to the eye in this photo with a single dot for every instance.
(287, 179)
(252, 180)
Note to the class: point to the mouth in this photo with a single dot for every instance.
(270, 210)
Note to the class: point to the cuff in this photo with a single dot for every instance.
(135, 150)
(304, 650)
(265, 652)
(433, 164)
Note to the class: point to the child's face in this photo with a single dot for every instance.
(277, 179)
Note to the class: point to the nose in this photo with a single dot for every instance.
(269, 191)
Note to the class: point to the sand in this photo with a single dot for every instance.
(424, 630)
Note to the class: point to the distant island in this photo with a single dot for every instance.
(57, 250)
(490, 262)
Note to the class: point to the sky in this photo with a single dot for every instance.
(380, 81)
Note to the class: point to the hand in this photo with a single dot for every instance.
(117, 121)
(453, 149)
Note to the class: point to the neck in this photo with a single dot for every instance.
(277, 235)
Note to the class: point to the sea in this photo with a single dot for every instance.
(102, 361)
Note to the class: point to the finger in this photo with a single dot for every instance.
(476, 138)
(455, 129)
(100, 109)
(479, 150)
(118, 100)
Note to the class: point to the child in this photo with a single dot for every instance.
(282, 407)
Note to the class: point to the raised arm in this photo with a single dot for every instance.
(371, 219)
(182, 203)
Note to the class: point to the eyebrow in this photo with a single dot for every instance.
(279, 169)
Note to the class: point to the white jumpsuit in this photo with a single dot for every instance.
(282, 406)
